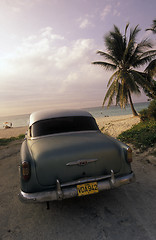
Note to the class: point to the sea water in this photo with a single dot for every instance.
(23, 120)
(17, 120)
(116, 110)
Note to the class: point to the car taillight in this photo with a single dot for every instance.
(26, 170)
(129, 155)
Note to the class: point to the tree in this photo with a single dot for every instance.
(153, 27)
(123, 56)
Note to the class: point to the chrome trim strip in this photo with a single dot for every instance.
(61, 134)
(59, 190)
(85, 180)
(71, 191)
(81, 162)
(112, 177)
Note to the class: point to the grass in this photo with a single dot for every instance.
(5, 141)
(142, 135)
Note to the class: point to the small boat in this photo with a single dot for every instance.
(7, 125)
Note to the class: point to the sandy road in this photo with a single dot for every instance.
(125, 213)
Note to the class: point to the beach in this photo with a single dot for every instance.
(112, 126)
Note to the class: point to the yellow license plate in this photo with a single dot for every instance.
(87, 188)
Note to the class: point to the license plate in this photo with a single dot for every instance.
(87, 188)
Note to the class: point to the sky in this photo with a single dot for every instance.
(47, 47)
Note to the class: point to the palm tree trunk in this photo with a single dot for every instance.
(132, 106)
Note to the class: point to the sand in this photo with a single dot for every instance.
(115, 125)
(109, 125)
(12, 132)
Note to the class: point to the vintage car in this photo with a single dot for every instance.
(65, 155)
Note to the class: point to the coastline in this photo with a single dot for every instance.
(110, 125)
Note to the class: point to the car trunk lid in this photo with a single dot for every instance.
(69, 157)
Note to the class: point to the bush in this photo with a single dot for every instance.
(149, 113)
(144, 114)
(152, 110)
(142, 135)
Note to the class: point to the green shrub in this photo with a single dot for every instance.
(142, 135)
(149, 113)
(144, 114)
(152, 110)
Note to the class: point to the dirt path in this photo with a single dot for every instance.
(125, 213)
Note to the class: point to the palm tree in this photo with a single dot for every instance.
(153, 27)
(124, 55)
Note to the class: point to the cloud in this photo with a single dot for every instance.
(47, 32)
(78, 53)
(47, 70)
(85, 22)
(110, 9)
(116, 13)
(106, 11)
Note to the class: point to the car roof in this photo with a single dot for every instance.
(50, 113)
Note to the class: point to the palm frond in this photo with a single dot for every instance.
(123, 96)
(145, 43)
(125, 36)
(115, 43)
(139, 51)
(113, 77)
(145, 82)
(109, 94)
(117, 31)
(133, 33)
(128, 51)
(107, 66)
(153, 27)
(126, 30)
(108, 57)
(151, 68)
(132, 83)
(131, 48)
(151, 53)
(140, 61)
(118, 94)
(141, 79)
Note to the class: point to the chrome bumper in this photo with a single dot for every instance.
(69, 190)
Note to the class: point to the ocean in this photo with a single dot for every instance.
(23, 120)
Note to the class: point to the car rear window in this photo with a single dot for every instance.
(62, 125)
